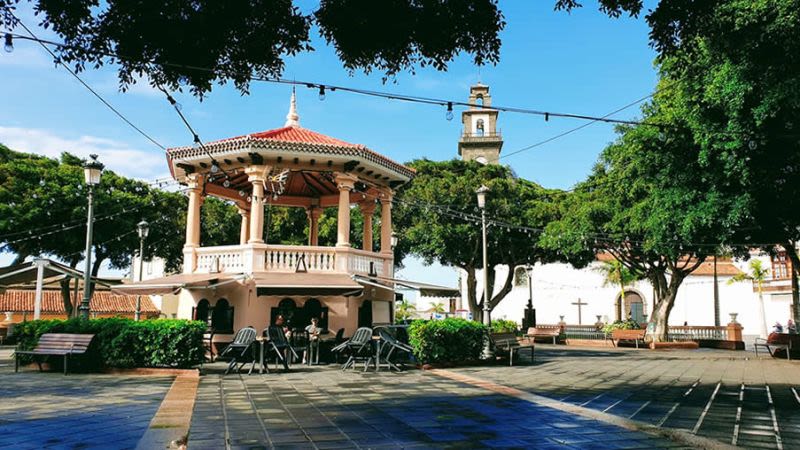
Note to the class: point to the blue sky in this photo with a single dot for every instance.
(583, 62)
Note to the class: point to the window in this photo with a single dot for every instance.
(780, 266)
(200, 312)
(479, 100)
(222, 317)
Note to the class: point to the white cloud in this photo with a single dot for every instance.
(26, 57)
(116, 155)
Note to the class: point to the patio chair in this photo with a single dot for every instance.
(390, 342)
(276, 340)
(240, 348)
(208, 343)
(359, 347)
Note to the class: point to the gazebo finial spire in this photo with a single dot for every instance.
(292, 119)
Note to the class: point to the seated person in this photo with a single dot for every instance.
(777, 328)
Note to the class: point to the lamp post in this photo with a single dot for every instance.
(91, 171)
(530, 321)
(144, 229)
(481, 192)
(394, 240)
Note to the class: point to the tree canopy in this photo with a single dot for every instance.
(438, 218)
(204, 42)
(649, 203)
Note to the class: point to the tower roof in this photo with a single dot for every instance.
(292, 118)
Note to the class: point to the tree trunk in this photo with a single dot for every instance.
(762, 316)
(716, 295)
(795, 259)
(472, 298)
(65, 295)
(666, 291)
(508, 284)
(98, 262)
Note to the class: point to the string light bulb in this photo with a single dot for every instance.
(9, 46)
(449, 114)
(321, 92)
(214, 167)
(174, 103)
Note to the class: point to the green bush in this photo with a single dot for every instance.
(629, 324)
(503, 326)
(447, 340)
(125, 343)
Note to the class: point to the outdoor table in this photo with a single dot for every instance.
(262, 347)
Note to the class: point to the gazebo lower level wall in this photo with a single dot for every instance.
(254, 310)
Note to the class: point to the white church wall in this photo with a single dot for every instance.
(557, 286)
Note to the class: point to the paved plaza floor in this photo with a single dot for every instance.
(728, 396)
(570, 398)
(50, 410)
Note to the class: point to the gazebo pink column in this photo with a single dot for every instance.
(313, 214)
(367, 210)
(244, 231)
(195, 189)
(346, 183)
(257, 175)
(386, 221)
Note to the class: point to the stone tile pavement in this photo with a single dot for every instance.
(731, 397)
(326, 408)
(78, 411)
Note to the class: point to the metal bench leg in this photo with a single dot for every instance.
(66, 362)
(16, 362)
(510, 357)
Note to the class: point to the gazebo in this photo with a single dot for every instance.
(251, 282)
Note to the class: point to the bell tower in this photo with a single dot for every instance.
(480, 139)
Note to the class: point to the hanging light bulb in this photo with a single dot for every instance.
(196, 142)
(547, 117)
(449, 114)
(9, 43)
(753, 145)
(226, 183)
(321, 92)
(174, 104)
(241, 193)
(214, 167)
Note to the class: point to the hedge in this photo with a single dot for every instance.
(503, 326)
(124, 343)
(447, 340)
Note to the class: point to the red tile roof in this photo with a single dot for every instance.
(21, 300)
(301, 135)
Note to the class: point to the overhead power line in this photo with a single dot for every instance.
(80, 80)
(323, 87)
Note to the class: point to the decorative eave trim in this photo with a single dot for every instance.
(248, 144)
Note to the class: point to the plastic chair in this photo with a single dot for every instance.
(239, 347)
(359, 346)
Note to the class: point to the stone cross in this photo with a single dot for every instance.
(579, 304)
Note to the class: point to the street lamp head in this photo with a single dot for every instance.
(92, 170)
(482, 191)
(529, 269)
(144, 229)
(394, 240)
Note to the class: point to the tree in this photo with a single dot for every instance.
(437, 308)
(204, 42)
(616, 273)
(649, 204)
(404, 310)
(758, 273)
(438, 219)
(43, 212)
(735, 65)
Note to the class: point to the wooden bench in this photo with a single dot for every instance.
(777, 342)
(509, 343)
(534, 332)
(627, 335)
(56, 344)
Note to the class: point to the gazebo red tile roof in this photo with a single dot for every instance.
(295, 134)
(22, 300)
